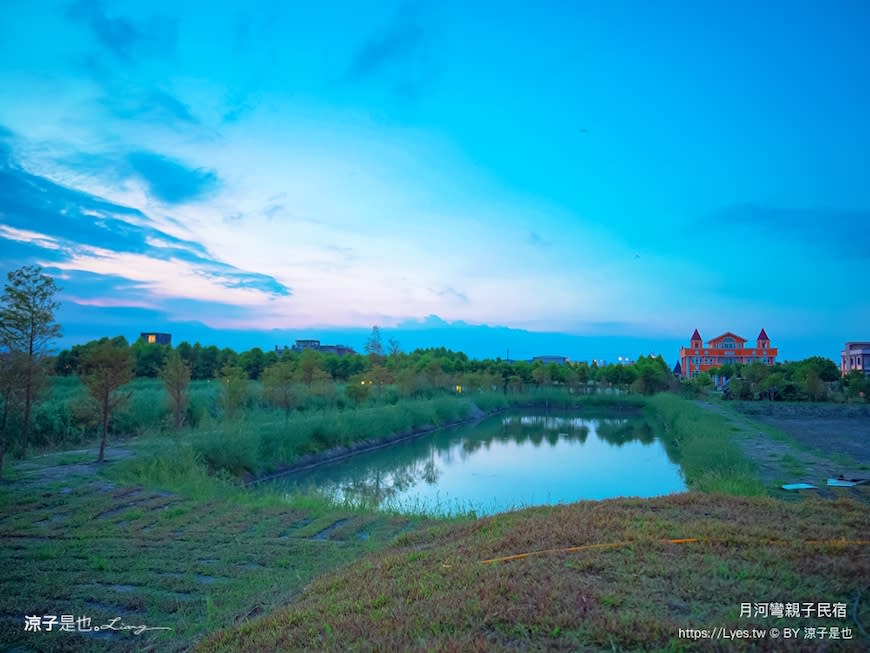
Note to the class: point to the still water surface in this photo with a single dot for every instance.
(504, 462)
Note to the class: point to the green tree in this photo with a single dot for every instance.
(176, 379)
(323, 389)
(726, 371)
(857, 385)
(335, 366)
(207, 364)
(357, 389)
(67, 361)
(814, 385)
(13, 367)
(279, 390)
(703, 382)
(374, 346)
(756, 372)
(740, 388)
(407, 382)
(824, 368)
(27, 327)
(185, 350)
(514, 383)
(149, 358)
(541, 375)
(270, 358)
(524, 370)
(107, 367)
(772, 385)
(227, 358)
(651, 375)
(433, 372)
(234, 390)
(253, 362)
(310, 362)
(582, 370)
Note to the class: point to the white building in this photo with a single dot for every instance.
(856, 356)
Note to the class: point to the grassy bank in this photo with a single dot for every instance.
(67, 416)
(629, 589)
(83, 546)
(167, 537)
(703, 443)
(264, 441)
(263, 444)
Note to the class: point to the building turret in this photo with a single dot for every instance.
(697, 343)
(763, 341)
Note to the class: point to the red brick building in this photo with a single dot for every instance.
(727, 349)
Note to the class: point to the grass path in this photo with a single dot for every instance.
(782, 459)
(76, 543)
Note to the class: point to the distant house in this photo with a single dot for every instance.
(302, 345)
(153, 338)
(856, 356)
(727, 349)
(558, 360)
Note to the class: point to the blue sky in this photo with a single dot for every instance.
(615, 170)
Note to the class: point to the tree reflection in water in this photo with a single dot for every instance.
(374, 486)
(379, 479)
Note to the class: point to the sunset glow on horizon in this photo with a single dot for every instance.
(606, 169)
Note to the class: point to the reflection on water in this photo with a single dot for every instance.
(504, 462)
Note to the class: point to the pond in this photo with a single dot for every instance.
(503, 462)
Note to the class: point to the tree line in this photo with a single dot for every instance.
(813, 379)
(414, 372)
(302, 380)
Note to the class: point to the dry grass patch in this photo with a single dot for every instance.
(432, 592)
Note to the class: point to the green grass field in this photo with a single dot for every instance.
(166, 537)
(86, 547)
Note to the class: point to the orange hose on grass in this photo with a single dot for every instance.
(681, 540)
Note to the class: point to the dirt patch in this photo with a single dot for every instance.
(849, 437)
(44, 470)
(325, 533)
(819, 442)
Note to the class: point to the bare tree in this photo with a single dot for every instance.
(27, 327)
(107, 368)
(176, 378)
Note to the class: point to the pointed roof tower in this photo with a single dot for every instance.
(763, 335)
(696, 340)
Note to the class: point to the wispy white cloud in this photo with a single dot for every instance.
(108, 302)
(163, 279)
(26, 236)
